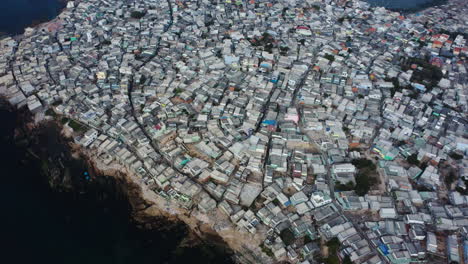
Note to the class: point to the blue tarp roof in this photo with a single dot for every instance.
(269, 122)
(384, 249)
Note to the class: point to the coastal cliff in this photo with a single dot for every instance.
(51, 142)
(149, 208)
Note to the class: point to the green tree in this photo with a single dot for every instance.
(329, 57)
(347, 260)
(363, 163)
(349, 186)
(363, 184)
(413, 159)
(333, 246)
(450, 178)
(137, 14)
(287, 236)
(366, 176)
(456, 156)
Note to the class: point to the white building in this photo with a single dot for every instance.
(388, 213)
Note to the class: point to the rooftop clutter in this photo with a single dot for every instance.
(292, 120)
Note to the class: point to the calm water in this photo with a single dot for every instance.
(405, 4)
(93, 225)
(18, 14)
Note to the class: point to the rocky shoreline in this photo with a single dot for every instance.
(149, 207)
(146, 209)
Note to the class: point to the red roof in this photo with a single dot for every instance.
(438, 43)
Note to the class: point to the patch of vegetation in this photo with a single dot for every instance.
(364, 181)
(456, 156)
(461, 190)
(363, 164)
(276, 202)
(450, 178)
(287, 236)
(333, 246)
(106, 42)
(422, 188)
(76, 126)
(413, 159)
(421, 43)
(209, 23)
(266, 250)
(423, 165)
(345, 187)
(414, 95)
(396, 85)
(342, 19)
(64, 120)
(284, 50)
(51, 113)
(137, 14)
(56, 103)
(366, 176)
(331, 259)
(347, 260)
(266, 41)
(178, 91)
(143, 79)
(399, 143)
(425, 73)
(329, 57)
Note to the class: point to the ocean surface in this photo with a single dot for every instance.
(18, 14)
(405, 5)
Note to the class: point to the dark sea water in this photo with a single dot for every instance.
(18, 14)
(91, 225)
(405, 5)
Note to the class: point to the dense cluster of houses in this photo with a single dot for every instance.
(260, 109)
